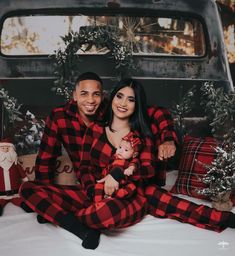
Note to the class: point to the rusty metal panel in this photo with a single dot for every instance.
(213, 66)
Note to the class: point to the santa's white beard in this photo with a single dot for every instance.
(7, 159)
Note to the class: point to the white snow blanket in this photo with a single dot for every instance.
(21, 235)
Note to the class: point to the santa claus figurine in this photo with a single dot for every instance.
(11, 175)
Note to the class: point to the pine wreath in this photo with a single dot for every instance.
(67, 60)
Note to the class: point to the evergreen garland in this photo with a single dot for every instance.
(220, 110)
(67, 61)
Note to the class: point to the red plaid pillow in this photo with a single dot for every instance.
(190, 170)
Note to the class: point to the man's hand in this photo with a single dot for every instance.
(166, 150)
(129, 171)
(110, 184)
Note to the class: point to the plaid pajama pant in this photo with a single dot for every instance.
(127, 190)
(163, 204)
(53, 202)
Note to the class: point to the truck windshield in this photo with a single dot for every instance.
(41, 34)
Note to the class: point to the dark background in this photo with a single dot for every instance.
(227, 11)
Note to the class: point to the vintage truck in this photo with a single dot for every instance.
(177, 44)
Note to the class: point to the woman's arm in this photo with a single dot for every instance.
(147, 162)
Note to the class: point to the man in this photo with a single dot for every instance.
(66, 126)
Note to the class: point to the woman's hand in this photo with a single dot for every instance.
(166, 150)
(110, 184)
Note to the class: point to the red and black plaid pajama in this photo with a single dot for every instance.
(162, 127)
(127, 188)
(163, 204)
(121, 212)
(54, 201)
(64, 127)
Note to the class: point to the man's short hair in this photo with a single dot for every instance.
(88, 76)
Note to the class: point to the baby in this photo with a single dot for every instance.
(125, 162)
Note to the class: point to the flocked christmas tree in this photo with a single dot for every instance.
(220, 109)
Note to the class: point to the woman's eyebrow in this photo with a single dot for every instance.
(122, 94)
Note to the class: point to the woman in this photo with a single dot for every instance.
(72, 207)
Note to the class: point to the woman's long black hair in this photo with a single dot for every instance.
(139, 120)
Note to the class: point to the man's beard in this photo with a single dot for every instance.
(7, 158)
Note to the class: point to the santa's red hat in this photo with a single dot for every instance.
(6, 142)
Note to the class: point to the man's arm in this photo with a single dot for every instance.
(162, 126)
(49, 150)
(165, 141)
(85, 173)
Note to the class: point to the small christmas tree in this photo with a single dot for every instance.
(220, 176)
(220, 109)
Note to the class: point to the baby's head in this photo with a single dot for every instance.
(129, 147)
